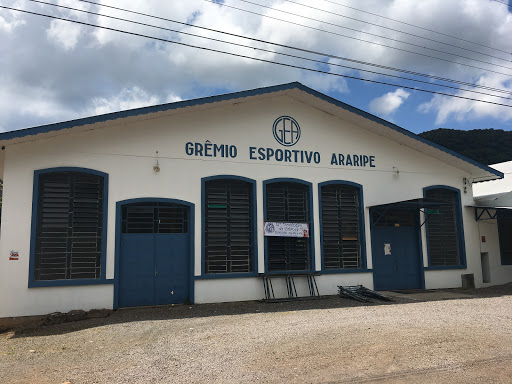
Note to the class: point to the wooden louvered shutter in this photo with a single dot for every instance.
(69, 226)
(442, 236)
(155, 218)
(288, 202)
(228, 226)
(341, 226)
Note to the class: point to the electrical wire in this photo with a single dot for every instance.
(350, 37)
(502, 2)
(251, 58)
(416, 26)
(302, 165)
(371, 34)
(399, 31)
(262, 49)
(305, 50)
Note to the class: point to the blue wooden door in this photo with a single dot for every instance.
(396, 258)
(137, 270)
(172, 260)
(154, 265)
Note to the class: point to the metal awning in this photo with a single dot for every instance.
(414, 204)
(491, 197)
(420, 204)
(489, 212)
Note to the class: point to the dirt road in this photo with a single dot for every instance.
(455, 341)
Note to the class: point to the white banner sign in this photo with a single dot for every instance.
(286, 229)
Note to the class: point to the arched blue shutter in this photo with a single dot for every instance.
(442, 235)
(288, 202)
(341, 226)
(228, 226)
(69, 226)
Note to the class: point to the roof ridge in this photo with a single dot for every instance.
(230, 96)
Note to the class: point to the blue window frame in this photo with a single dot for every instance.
(289, 200)
(69, 227)
(444, 229)
(229, 230)
(342, 227)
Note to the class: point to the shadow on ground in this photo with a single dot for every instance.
(169, 312)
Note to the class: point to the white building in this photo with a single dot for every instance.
(167, 204)
(495, 225)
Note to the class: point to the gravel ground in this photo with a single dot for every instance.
(316, 341)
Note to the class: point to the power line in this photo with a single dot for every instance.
(403, 32)
(502, 2)
(416, 26)
(306, 50)
(354, 38)
(262, 49)
(372, 34)
(251, 58)
(305, 165)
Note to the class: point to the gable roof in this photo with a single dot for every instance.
(295, 90)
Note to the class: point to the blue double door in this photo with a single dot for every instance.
(397, 262)
(154, 267)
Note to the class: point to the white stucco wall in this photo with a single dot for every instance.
(127, 153)
(497, 193)
(500, 274)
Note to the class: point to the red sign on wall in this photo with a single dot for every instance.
(14, 255)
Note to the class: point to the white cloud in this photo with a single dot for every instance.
(64, 33)
(32, 105)
(66, 70)
(462, 109)
(171, 98)
(9, 26)
(129, 98)
(388, 103)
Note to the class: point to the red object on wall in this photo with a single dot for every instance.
(483, 239)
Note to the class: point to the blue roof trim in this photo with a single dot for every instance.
(143, 111)
(230, 96)
(397, 128)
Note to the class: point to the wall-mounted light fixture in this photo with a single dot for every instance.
(156, 167)
(466, 183)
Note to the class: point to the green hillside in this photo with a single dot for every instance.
(487, 146)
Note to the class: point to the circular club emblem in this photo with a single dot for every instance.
(270, 228)
(286, 131)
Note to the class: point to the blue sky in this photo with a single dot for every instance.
(53, 70)
(408, 116)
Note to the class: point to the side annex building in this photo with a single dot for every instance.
(200, 201)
